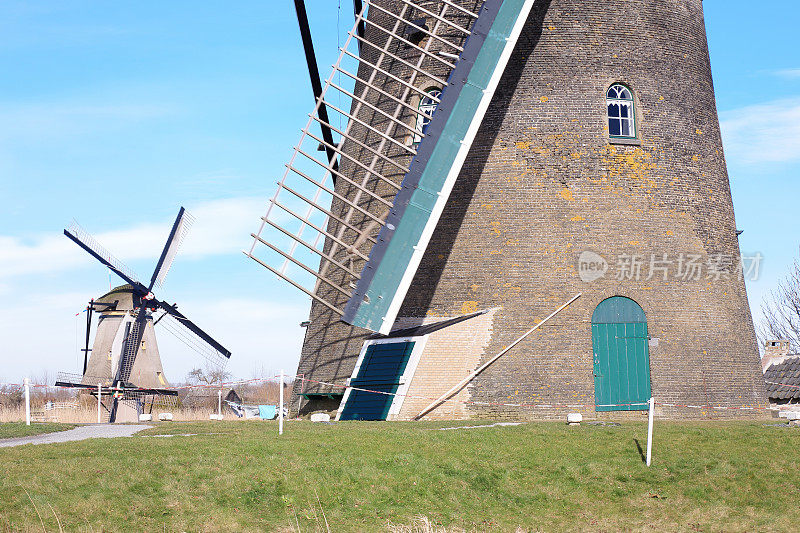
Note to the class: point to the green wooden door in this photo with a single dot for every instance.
(381, 369)
(621, 356)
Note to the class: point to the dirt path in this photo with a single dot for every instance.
(95, 431)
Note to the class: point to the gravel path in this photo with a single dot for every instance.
(95, 431)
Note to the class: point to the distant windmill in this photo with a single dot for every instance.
(125, 357)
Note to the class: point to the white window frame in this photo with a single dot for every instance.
(405, 379)
(627, 102)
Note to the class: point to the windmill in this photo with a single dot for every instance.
(470, 164)
(125, 357)
(354, 214)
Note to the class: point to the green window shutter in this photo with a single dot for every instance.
(381, 369)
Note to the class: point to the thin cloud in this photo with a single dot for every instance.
(763, 133)
(221, 227)
(256, 331)
(260, 331)
(789, 73)
(64, 119)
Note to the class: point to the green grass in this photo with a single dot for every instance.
(9, 430)
(240, 476)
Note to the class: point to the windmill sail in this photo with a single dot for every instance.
(176, 328)
(183, 224)
(192, 335)
(85, 240)
(355, 247)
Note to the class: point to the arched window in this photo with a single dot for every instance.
(621, 112)
(427, 105)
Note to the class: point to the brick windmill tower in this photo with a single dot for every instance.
(496, 159)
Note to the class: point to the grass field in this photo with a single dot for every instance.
(241, 476)
(10, 430)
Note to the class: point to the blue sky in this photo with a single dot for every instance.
(115, 114)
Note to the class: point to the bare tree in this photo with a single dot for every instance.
(207, 376)
(781, 310)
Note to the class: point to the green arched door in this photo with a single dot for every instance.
(621, 356)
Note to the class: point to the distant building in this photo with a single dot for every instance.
(781, 373)
(775, 351)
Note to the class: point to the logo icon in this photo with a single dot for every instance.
(591, 266)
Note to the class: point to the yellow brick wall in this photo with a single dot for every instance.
(450, 355)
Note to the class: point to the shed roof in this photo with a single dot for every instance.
(425, 329)
(783, 379)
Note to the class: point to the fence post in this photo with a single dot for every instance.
(302, 378)
(27, 384)
(280, 407)
(652, 403)
(219, 403)
(99, 402)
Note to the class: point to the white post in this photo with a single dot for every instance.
(280, 407)
(99, 400)
(27, 384)
(652, 403)
(219, 403)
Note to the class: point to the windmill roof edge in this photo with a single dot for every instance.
(125, 288)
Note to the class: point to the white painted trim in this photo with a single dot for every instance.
(408, 375)
(466, 144)
(405, 379)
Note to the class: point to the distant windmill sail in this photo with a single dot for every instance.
(354, 247)
(179, 230)
(85, 240)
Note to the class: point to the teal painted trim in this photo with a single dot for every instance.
(409, 231)
(382, 367)
(621, 362)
